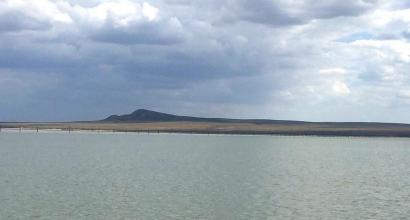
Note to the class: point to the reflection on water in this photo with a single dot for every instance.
(131, 176)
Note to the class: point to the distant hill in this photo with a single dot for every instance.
(144, 115)
(143, 120)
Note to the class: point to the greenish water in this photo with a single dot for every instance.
(136, 176)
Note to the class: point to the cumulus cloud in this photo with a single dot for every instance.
(31, 14)
(127, 22)
(333, 71)
(335, 8)
(18, 15)
(285, 13)
(303, 59)
(12, 21)
(168, 32)
(340, 88)
(406, 34)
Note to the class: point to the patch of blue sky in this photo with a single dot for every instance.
(364, 35)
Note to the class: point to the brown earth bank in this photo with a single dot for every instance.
(308, 128)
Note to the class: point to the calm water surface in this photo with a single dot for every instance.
(136, 176)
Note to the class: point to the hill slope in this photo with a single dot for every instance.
(144, 115)
(143, 120)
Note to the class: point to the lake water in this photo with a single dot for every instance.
(140, 176)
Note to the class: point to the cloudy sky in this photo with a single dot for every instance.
(313, 60)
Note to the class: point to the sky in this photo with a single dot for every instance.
(313, 60)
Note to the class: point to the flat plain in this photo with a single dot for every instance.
(304, 128)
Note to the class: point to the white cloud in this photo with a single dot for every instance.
(288, 58)
(333, 71)
(393, 50)
(383, 17)
(39, 9)
(404, 94)
(149, 11)
(120, 13)
(127, 22)
(340, 88)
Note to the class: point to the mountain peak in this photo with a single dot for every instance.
(143, 111)
(143, 115)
